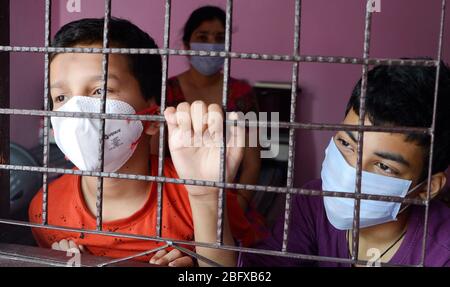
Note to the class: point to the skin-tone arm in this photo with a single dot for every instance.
(195, 134)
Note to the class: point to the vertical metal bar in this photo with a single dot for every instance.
(101, 155)
(46, 146)
(4, 103)
(360, 141)
(165, 62)
(433, 125)
(291, 152)
(226, 76)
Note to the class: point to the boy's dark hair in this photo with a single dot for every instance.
(404, 96)
(122, 34)
(200, 15)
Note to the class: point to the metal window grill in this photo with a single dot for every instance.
(295, 58)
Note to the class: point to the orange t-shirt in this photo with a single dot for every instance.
(66, 207)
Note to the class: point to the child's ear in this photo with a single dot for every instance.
(438, 181)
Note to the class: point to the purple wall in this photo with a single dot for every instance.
(26, 70)
(404, 28)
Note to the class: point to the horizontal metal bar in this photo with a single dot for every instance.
(194, 243)
(133, 256)
(283, 125)
(290, 190)
(197, 256)
(233, 55)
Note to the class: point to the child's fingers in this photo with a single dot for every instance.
(184, 117)
(185, 261)
(64, 245)
(215, 121)
(169, 257)
(72, 244)
(55, 246)
(237, 132)
(157, 256)
(171, 118)
(198, 113)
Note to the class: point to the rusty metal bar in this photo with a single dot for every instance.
(216, 184)
(114, 261)
(433, 125)
(286, 125)
(46, 146)
(199, 244)
(291, 152)
(232, 55)
(360, 139)
(101, 148)
(165, 68)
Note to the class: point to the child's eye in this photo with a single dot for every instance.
(60, 99)
(386, 168)
(98, 92)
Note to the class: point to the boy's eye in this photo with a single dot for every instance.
(344, 143)
(386, 168)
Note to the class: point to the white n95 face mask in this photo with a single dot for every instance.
(78, 138)
(337, 175)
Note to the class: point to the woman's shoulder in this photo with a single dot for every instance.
(242, 96)
(240, 84)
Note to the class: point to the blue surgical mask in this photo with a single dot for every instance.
(207, 65)
(338, 176)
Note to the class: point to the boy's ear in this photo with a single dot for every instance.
(438, 181)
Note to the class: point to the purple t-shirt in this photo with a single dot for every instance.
(311, 233)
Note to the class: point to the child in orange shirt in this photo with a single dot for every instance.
(129, 206)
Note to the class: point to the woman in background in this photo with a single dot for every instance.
(205, 30)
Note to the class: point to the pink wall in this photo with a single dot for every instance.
(404, 28)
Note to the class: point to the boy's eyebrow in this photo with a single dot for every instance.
(96, 78)
(351, 135)
(393, 157)
(386, 155)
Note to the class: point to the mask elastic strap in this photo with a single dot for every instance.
(415, 188)
(152, 110)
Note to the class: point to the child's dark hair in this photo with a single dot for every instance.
(200, 15)
(122, 34)
(404, 96)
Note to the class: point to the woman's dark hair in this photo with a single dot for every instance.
(202, 14)
(404, 96)
(146, 68)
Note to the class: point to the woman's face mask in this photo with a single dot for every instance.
(78, 138)
(207, 65)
